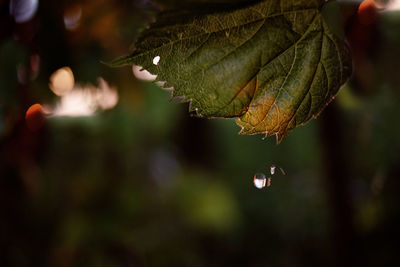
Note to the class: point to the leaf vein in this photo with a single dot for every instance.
(293, 62)
(223, 29)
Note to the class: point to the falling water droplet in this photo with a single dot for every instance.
(273, 167)
(260, 180)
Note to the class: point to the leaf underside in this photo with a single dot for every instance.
(273, 65)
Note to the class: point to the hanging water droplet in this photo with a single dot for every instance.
(260, 180)
(272, 170)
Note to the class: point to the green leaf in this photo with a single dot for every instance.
(274, 65)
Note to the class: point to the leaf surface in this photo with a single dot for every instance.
(272, 65)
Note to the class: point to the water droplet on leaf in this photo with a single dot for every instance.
(156, 60)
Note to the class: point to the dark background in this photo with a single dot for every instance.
(146, 184)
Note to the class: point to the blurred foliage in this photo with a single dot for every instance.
(145, 184)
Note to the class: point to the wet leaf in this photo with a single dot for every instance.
(273, 65)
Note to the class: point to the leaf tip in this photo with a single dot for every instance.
(118, 62)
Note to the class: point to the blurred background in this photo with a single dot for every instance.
(116, 174)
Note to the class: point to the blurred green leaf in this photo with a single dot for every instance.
(274, 64)
(205, 205)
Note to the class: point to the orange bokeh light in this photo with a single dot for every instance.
(34, 117)
(367, 12)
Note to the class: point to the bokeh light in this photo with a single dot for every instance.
(62, 81)
(23, 10)
(143, 74)
(34, 117)
(72, 17)
(86, 100)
